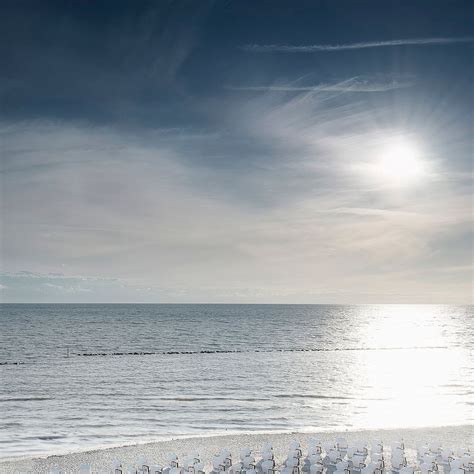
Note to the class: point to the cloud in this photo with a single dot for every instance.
(42, 288)
(28, 286)
(294, 223)
(349, 85)
(282, 48)
(267, 206)
(132, 173)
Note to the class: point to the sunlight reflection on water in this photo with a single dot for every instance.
(83, 402)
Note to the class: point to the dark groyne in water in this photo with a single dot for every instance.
(71, 354)
(247, 351)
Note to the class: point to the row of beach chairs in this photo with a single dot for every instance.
(338, 457)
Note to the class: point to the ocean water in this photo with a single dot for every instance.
(77, 377)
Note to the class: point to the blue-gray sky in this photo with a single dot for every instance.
(236, 151)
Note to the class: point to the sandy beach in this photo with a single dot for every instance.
(460, 436)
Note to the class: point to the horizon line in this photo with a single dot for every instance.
(230, 304)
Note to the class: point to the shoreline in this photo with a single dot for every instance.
(207, 446)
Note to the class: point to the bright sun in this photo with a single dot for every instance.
(399, 163)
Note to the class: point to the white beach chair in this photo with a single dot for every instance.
(377, 446)
(361, 448)
(470, 463)
(85, 469)
(429, 464)
(421, 451)
(351, 450)
(435, 448)
(329, 447)
(156, 469)
(248, 462)
(190, 460)
(315, 459)
(267, 446)
(398, 446)
(466, 463)
(199, 468)
(429, 457)
(368, 469)
(379, 460)
(461, 452)
(236, 468)
(226, 457)
(192, 464)
(358, 462)
(398, 461)
(316, 468)
(342, 445)
(297, 454)
(332, 457)
(457, 471)
(245, 452)
(117, 467)
(371, 468)
(267, 454)
(267, 461)
(310, 460)
(143, 465)
(172, 459)
(314, 446)
(446, 456)
(456, 463)
(295, 447)
(294, 455)
(268, 466)
(342, 467)
(218, 464)
(225, 452)
(428, 468)
(292, 466)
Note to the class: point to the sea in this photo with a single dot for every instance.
(79, 377)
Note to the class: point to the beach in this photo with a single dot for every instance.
(449, 436)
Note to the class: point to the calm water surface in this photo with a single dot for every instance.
(276, 368)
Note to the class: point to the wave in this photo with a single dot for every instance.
(24, 399)
(322, 397)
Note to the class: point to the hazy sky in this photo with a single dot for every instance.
(236, 151)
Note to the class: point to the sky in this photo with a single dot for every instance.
(236, 151)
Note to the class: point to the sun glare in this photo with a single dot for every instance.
(399, 163)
